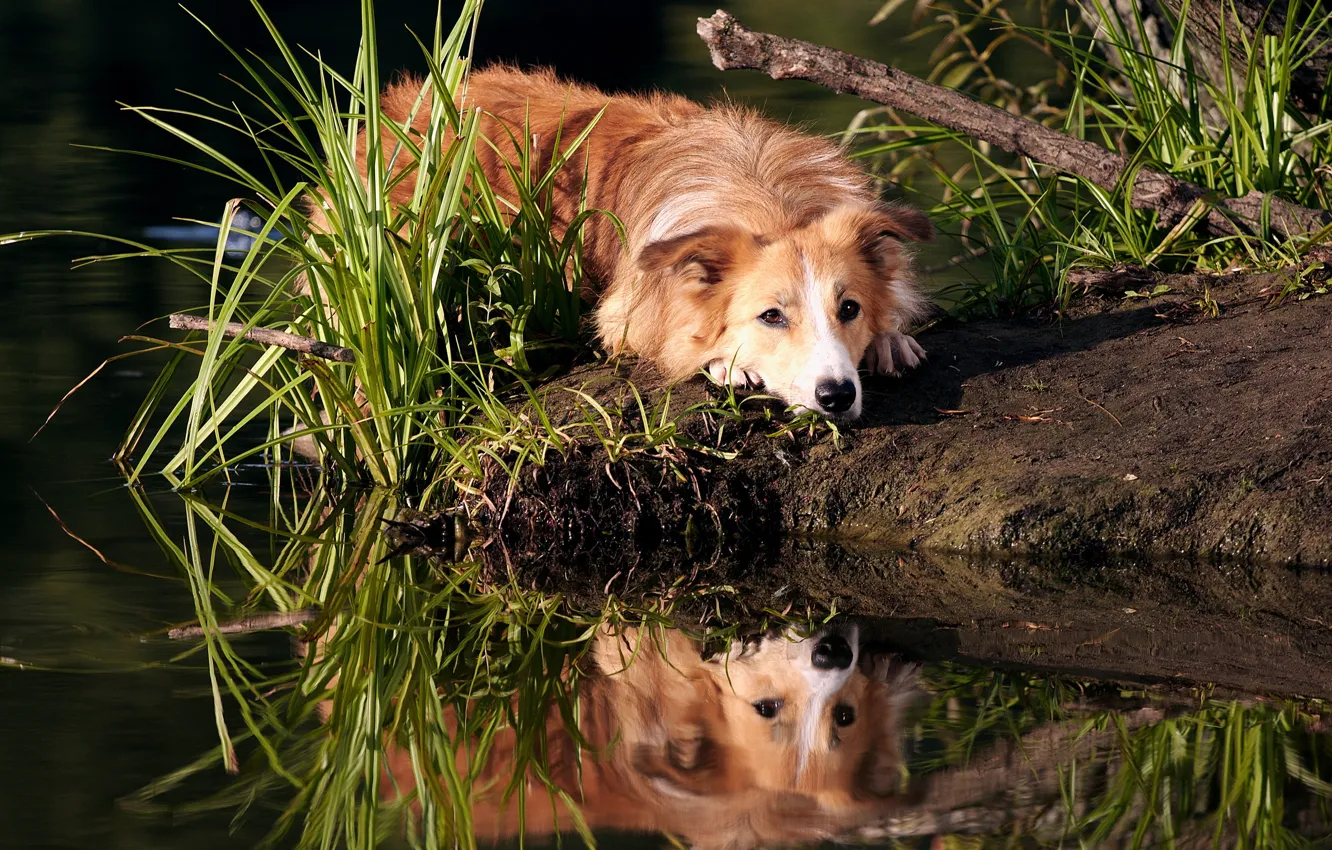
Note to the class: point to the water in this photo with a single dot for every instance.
(95, 703)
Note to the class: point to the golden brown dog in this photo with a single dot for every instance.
(751, 250)
(780, 740)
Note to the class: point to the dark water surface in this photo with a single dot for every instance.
(94, 702)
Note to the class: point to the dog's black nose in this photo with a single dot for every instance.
(832, 653)
(835, 396)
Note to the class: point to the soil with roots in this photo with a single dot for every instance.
(1194, 425)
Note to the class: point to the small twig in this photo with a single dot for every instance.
(246, 625)
(734, 46)
(267, 336)
(1103, 410)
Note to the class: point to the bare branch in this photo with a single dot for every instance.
(734, 46)
(268, 336)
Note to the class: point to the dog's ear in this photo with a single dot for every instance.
(881, 230)
(688, 762)
(898, 222)
(706, 254)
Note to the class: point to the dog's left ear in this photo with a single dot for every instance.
(882, 230)
(899, 222)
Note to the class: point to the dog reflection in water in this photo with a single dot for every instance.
(779, 740)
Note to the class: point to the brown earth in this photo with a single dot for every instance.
(1136, 493)
(1143, 428)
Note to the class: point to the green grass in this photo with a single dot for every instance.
(1230, 129)
(458, 304)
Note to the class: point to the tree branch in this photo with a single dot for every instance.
(734, 46)
(247, 625)
(268, 336)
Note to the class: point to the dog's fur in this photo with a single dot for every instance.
(751, 250)
(674, 743)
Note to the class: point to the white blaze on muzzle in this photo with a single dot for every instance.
(824, 686)
(829, 361)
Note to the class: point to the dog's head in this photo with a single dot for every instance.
(779, 739)
(795, 311)
(817, 716)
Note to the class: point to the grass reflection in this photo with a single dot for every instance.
(453, 700)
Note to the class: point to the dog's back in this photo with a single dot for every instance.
(662, 163)
(606, 173)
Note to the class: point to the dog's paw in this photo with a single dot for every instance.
(891, 352)
(721, 372)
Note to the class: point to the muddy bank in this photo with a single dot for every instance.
(1257, 628)
(1142, 428)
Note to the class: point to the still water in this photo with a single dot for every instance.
(96, 703)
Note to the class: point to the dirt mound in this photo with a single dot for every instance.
(1147, 428)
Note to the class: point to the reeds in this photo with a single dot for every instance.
(456, 302)
(1230, 127)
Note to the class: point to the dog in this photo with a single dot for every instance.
(778, 740)
(749, 250)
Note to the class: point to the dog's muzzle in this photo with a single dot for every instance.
(835, 396)
(832, 652)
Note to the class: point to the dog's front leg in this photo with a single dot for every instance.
(723, 374)
(892, 351)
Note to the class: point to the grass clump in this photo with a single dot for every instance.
(457, 302)
(1232, 127)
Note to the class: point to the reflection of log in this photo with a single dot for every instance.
(247, 625)
(734, 46)
(1012, 780)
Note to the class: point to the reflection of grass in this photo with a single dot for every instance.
(1231, 129)
(1227, 769)
(973, 707)
(424, 662)
(436, 665)
(1219, 773)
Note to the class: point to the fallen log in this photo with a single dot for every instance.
(733, 46)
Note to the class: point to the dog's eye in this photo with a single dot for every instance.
(772, 317)
(844, 715)
(768, 707)
(848, 311)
